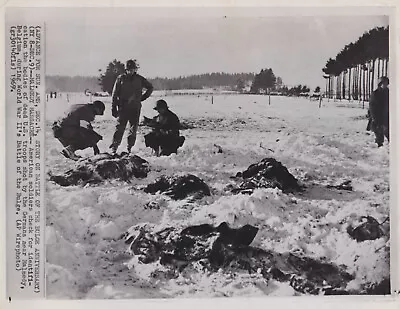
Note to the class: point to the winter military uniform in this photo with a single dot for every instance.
(126, 105)
(379, 114)
(75, 131)
(165, 135)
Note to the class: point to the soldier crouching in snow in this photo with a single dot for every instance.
(75, 131)
(379, 111)
(165, 135)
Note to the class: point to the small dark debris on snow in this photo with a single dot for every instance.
(152, 205)
(227, 248)
(219, 148)
(185, 125)
(179, 187)
(268, 173)
(346, 185)
(102, 167)
(368, 230)
(381, 188)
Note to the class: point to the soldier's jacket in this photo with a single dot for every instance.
(128, 89)
(75, 128)
(76, 113)
(169, 123)
(379, 106)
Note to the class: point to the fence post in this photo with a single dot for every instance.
(320, 100)
(269, 97)
(212, 99)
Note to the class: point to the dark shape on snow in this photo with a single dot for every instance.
(219, 148)
(268, 173)
(199, 230)
(238, 237)
(346, 185)
(104, 166)
(228, 249)
(381, 288)
(179, 187)
(369, 230)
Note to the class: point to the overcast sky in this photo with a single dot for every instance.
(173, 43)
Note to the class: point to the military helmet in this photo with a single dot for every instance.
(161, 104)
(98, 105)
(131, 64)
(383, 79)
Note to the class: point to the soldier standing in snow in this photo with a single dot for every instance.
(165, 134)
(75, 131)
(379, 111)
(126, 103)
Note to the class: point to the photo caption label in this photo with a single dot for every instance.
(25, 160)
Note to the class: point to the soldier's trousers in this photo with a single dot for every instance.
(168, 143)
(78, 138)
(131, 115)
(381, 131)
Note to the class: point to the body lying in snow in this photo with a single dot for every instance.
(228, 249)
(103, 167)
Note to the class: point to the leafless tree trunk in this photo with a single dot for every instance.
(353, 81)
(373, 76)
(386, 67)
(349, 86)
(379, 68)
(344, 85)
(334, 86)
(365, 82)
(368, 80)
(360, 73)
(383, 67)
(326, 85)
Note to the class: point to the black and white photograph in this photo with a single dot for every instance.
(215, 152)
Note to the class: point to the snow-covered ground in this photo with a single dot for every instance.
(319, 146)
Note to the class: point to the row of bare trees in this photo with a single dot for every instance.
(354, 72)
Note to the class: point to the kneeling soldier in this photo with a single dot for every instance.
(75, 131)
(164, 138)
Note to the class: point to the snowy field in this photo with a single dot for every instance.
(319, 146)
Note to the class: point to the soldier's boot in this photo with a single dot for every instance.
(113, 148)
(69, 153)
(379, 136)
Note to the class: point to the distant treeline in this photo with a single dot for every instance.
(209, 80)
